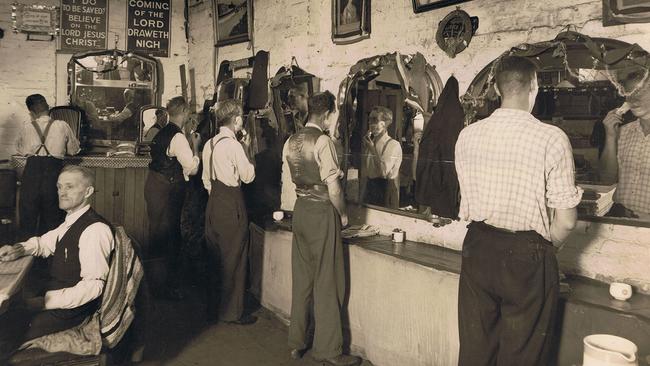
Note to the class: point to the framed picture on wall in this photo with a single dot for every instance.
(234, 21)
(350, 20)
(420, 6)
(616, 12)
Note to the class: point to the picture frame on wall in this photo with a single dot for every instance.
(350, 21)
(420, 6)
(617, 12)
(234, 21)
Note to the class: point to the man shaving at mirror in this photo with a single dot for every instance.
(627, 150)
(298, 97)
(383, 157)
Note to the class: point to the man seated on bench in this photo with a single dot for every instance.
(80, 249)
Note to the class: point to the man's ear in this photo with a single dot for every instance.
(89, 192)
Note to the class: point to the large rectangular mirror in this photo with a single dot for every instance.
(111, 87)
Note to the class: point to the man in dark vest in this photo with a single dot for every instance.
(172, 162)
(45, 142)
(317, 253)
(80, 250)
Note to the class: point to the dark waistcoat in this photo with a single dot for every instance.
(65, 269)
(160, 162)
(305, 173)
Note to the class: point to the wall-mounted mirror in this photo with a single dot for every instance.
(111, 87)
(384, 103)
(582, 79)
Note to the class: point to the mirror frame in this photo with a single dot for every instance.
(365, 70)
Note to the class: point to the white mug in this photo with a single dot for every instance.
(398, 236)
(620, 291)
(278, 215)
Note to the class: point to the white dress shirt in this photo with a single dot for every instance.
(95, 245)
(180, 149)
(390, 158)
(230, 165)
(59, 140)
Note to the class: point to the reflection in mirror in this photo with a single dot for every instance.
(384, 103)
(600, 100)
(111, 87)
(153, 120)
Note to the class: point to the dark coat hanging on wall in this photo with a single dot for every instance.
(436, 180)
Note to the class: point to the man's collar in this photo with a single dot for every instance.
(43, 119)
(73, 217)
(227, 131)
(312, 124)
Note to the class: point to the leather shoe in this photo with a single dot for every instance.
(342, 360)
(297, 354)
(244, 320)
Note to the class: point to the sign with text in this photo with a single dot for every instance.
(84, 25)
(148, 27)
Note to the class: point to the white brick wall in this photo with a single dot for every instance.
(302, 28)
(30, 67)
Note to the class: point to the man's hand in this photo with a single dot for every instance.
(367, 142)
(344, 220)
(11, 252)
(246, 140)
(612, 123)
(195, 139)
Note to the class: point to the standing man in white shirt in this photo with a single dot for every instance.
(172, 162)
(383, 158)
(45, 142)
(517, 185)
(226, 163)
(80, 250)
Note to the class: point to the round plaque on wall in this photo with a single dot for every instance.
(455, 32)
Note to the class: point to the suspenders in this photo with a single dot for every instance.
(43, 136)
(212, 146)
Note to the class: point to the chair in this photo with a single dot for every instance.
(69, 114)
(110, 323)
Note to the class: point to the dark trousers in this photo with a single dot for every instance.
(164, 204)
(39, 201)
(318, 277)
(507, 299)
(376, 189)
(19, 325)
(226, 233)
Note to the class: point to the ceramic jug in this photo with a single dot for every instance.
(608, 350)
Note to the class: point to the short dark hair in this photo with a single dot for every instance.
(380, 113)
(321, 103)
(514, 74)
(225, 111)
(176, 105)
(86, 173)
(36, 103)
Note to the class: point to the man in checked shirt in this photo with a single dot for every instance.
(626, 155)
(518, 191)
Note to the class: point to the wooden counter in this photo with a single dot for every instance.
(119, 189)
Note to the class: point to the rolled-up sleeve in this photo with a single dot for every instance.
(245, 168)
(180, 148)
(207, 164)
(327, 160)
(561, 190)
(95, 246)
(72, 144)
